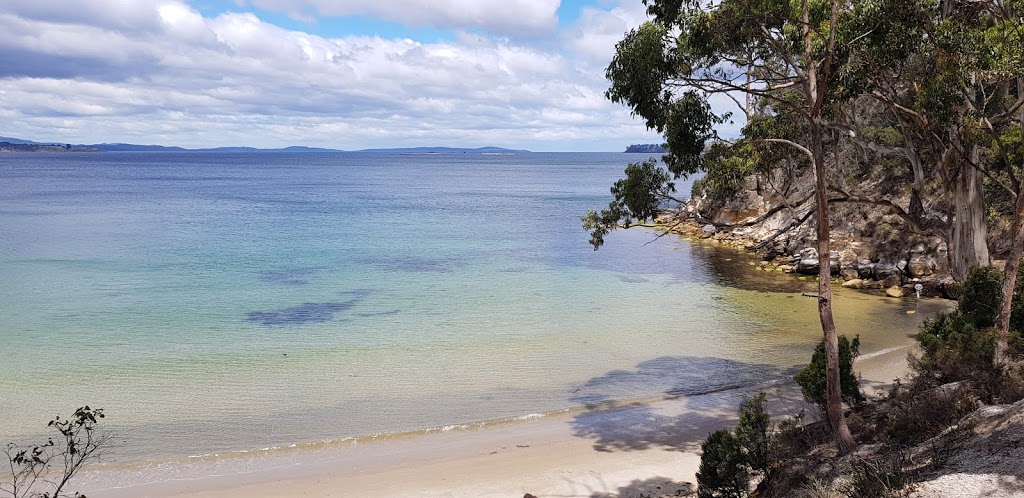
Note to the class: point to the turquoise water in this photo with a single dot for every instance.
(225, 302)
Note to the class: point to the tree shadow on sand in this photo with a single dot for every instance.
(698, 395)
(654, 487)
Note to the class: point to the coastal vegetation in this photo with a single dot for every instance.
(44, 470)
(957, 401)
(646, 149)
(907, 114)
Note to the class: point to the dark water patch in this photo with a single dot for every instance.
(632, 279)
(306, 313)
(379, 313)
(289, 276)
(518, 269)
(412, 264)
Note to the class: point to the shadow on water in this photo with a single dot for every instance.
(306, 312)
(734, 267)
(704, 391)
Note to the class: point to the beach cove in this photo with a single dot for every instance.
(345, 324)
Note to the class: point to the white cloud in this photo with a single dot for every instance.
(498, 16)
(236, 80)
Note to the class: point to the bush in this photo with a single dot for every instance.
(812, 378)
(917, 416)
(729, 459)
(878, 478)
(958, 346)
(723, 469)
(754, 433)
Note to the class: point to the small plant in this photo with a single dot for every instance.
(52, 464)
(812, 378)
(815, 488)
(879, 478)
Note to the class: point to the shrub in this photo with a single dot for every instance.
(754, 433)
(878, 478)
(729, 459)
(812, 378)
(959, 345)
(917, 416)
(723, 469)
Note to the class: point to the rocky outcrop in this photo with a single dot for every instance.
(866, 240)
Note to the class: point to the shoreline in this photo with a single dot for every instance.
(635, 446)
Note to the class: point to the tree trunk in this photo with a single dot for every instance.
(833, 399)
(1009, 283)
(969, 245)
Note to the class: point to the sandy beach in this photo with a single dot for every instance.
(640, 448)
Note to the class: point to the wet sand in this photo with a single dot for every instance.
(601, 451)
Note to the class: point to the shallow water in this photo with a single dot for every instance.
(213, 303)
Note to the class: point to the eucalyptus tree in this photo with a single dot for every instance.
(777, 55)
(949, 75)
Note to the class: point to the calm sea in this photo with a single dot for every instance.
(225, 302)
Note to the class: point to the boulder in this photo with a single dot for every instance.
(807, 262)
(708, 229)
(866, 268)
(921, 266)
(894, 291)
(848, 259)
(891, 281)
(849, 274)
(854, 283)
(885, 269)
(950, 289)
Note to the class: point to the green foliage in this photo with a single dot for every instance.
(730, 458)
(812, 378)
(979, 296)
(637, 197)
(52, 464)
(754, 433)
(959, 345)
(723, 469)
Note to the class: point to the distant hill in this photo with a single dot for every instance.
(38, 147)
(122, 147)
(646, 149)
(15, 140)
(449, 150)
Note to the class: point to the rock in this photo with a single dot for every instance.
(901, 265)
(891, 281)
(871, 284)
(849, 274)
(833, 261)
(866, 268)
(807, 262)
(848, 259)
(894, 291)
(854, 283)
(708, 229)
(885, 269)
(950, 289)
(921, 266)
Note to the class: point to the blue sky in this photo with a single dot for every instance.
(346, 74)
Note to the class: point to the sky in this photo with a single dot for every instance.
(345, 74)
